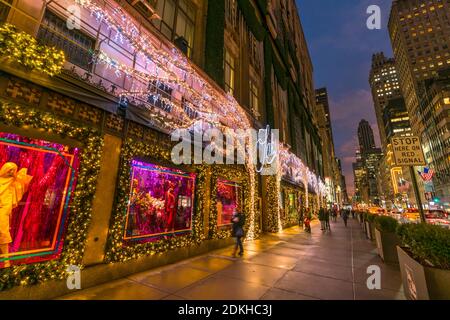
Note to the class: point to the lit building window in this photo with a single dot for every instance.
(230, 72)
(254, 98)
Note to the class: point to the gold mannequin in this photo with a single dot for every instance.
(13, 185)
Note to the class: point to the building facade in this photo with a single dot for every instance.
(88, 111)
(420, 37)
(383, 80)
(332, 172)
(366, 168)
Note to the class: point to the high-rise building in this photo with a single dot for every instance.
(367, 163)
(365, 136)
(435, 110)
(359, 176)
(420, 36)
(385, 85)
(331, 170)
(371, 159)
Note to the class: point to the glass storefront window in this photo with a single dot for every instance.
(229, 200)
(37, 180)
(161, 202)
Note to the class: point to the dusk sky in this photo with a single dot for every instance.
(341, 48)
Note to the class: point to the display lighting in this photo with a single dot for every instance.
(24, 49)
(80, 207)
(165, 65)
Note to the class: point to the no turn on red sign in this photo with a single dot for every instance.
(408, 151)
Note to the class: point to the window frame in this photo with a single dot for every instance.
(173, 29)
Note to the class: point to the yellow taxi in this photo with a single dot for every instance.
(412, 215)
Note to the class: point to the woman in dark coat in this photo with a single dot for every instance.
(238, 232)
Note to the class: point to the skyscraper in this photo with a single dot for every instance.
(420, 36)
(365, 136)
(385, 85)
(331, 170)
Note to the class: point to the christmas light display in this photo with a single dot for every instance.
(165, 64)
(33, 227)
(119, 250)
(171, 66)
(23, 48)
(80, 207)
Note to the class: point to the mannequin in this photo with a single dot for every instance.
(170, 208)
(13, 185)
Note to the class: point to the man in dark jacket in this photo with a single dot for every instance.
(345, 215)
(238, 232)
(322, 219)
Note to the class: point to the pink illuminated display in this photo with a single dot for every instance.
(37, 179)
(161, 202)
(229, 199)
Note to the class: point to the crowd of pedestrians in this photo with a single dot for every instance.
(325, 214)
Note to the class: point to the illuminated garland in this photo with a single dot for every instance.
(273, 223)
(117, 251)
(81, 204)
(171, 66)
(241, 177)
(23, 48)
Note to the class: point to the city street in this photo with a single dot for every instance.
(292, 265)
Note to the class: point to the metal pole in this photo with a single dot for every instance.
(417, 193)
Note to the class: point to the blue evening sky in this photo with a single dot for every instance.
(341, 47)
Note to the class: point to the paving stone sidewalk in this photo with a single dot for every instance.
(292, 265)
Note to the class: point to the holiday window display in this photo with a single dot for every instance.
(229, 200)
(161, 202)
(37, 179)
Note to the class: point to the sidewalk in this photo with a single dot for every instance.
(288, 266)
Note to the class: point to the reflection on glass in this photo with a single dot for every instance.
(229, 199)
(161, 202)
(36, 183)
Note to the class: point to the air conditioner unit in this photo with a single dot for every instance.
(182, 44)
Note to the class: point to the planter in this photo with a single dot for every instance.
(421, 282)
(387, 243)
(370, 230)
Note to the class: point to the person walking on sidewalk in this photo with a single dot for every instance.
(322, 219)
(327, 220)
(238, 232)
(345, 216)
(307, 221)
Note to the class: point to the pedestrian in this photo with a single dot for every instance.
(301, 217)
(238, 232)
(327, 220)
(308, 221)
(322, 218)
(345, 216)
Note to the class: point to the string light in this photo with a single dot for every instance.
(24, 49)
(81, 204)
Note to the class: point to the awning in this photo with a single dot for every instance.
(64, 85)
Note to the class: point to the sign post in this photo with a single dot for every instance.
(408, 153)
